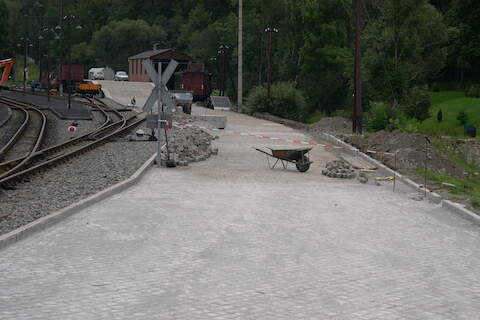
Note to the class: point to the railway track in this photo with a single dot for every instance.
(17, 169)
(27, 140)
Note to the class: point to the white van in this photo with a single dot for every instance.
(96, 74)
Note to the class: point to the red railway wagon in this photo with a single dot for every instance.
(77, 73)
(198, 82)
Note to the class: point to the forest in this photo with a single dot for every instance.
(409, 48)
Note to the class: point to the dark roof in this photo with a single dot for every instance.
(148, 54)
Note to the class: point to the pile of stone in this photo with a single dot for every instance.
(188, 145)
(339, 169)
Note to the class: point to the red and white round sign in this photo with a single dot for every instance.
(72, 129)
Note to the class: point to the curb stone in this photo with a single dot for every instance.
(60, 215)
(431, 196)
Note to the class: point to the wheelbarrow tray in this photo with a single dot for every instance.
(295, 156)
(292, 155)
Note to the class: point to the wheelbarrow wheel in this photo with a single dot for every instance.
(303, 166)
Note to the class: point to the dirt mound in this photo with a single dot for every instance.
(411, 148)
(331, 125)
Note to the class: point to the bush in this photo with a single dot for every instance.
(287, 101)
(418, 104)
(257, 100)
(440, 116)
(378, 117)
(435, 87)
(462, 117)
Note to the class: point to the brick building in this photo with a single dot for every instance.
(160, 53)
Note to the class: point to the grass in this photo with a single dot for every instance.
(469, 187)
(451, 103)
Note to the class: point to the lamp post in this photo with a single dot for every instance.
(68, 20)
(50, 34)
(269, 32)
(222, 67)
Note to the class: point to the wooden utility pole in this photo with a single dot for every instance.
(240, 56)
(269, 32)
(357, 107)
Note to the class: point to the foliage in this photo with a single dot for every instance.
(326, 53)
(118, 40)
(404, 47)
(435, 87)
(462, 117)
(439, 116)
(379, 117)
(418, 104)
(3, 28)
(287, 101)
(464, 38)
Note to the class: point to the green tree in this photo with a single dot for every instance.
(464, 38)
(116, 41)
(3, 29)
(405, 46)
(326, 53)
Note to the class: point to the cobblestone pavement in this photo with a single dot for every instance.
(230, 239)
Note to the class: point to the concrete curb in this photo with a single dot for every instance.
(55, 217)
(431, 196)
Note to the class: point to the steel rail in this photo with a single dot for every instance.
(18, 133)
(5, 166)
(38, 139)
(123, 125)
(131, 122)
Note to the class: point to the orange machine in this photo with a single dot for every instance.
(5, 69)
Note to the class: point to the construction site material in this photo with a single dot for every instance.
(285, 156)
(220, 103)
(331, 125)
(411, 152)
(339, 169)
(212, 121)
(188, 145)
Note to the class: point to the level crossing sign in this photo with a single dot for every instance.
(160, 92)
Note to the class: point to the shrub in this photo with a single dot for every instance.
(462, 117)
(257, 100)
(418, 104)
(378, 116)
(287, 101)
(440, 115)
(435, 87)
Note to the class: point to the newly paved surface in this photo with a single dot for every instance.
(124, 91)
(231, 239)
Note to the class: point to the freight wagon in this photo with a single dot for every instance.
(76, 73)
(198, 82)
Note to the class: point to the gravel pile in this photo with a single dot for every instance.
(331, 125)
(188, 145)
(339, 169)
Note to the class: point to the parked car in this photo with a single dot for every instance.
(121, 76)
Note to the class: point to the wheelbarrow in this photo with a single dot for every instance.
(284, 156)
